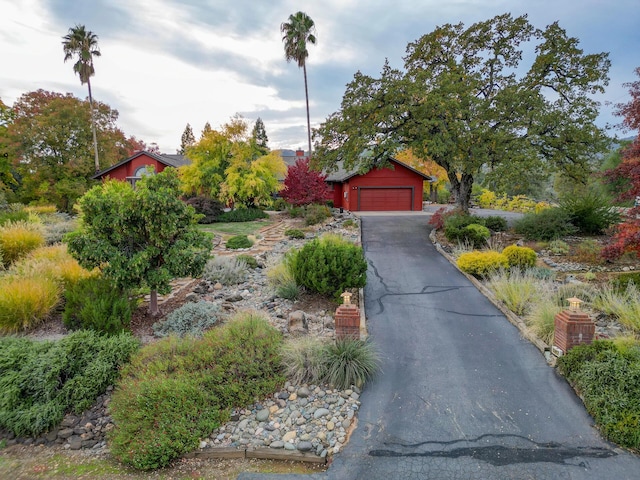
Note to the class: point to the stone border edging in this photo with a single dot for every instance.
(512, 317)
(259, 453)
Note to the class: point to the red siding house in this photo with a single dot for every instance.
(133, 168)
(395, 188)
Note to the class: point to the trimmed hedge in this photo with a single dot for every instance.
(481, 264)
(520, 257)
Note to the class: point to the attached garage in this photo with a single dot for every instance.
(395, 188)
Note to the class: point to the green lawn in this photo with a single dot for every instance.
(236, 228)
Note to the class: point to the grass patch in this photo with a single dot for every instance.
(517, 290)
(236, 228)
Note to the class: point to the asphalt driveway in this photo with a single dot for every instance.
(461, 394)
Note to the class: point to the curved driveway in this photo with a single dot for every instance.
(461, 394)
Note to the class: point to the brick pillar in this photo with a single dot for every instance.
(347, 321)
(573, 328)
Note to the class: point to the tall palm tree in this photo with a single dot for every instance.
(83, 44)
(299, 30)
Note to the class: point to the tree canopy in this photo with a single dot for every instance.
(48, 141)
(187, 140)
(303, 186)
(229, 165)
(467, 100)
(259, 135)
(142, 237)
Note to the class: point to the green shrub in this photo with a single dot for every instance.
(208, 207)
(280, 205)
(295, 212)
(315, 214)
(558, 247)
(476, 235)
(26, 301)
(95, 303)
(176, 391)
(242, 215)
(19, 238)
(294, 233)
(520, 257)
(43, 380)
(249, 260)
(239, 241)
(226, 270)
(443, 196)
(621, 282)
(189, 319)
(481, 264)
(303, 360)
(349, 362)
(454, 225)
(329, 265)
(549, 224)
(608, 380)
(591, 212)
(495, 223)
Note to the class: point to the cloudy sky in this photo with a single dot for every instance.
(166, 62)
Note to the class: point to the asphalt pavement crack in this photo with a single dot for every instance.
(497, 455)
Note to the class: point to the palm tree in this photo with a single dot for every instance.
(295, 34)
(83, 44)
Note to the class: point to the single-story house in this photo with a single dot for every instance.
(397, 187)
(133, 168)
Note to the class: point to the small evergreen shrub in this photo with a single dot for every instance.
(315, 214)
(303, 360)
(95, 303)
(26, 301)
(476, 234)
(495, 223)
(208, 207)
(242, 215)
(294, 233)
(443, 195)
(520, 257)
(280, 205)
(295, 212)
(249, 260)
(622, 281)
(350, 362)
(608, 379)
(455, 224)
(178, 390)
(19, 238)
(549, 224)
(226, 270)
(190, 319)
(329, 265)
(42, 380)
(239, 241)
(481, 264)
(558, 247)
(591, 212)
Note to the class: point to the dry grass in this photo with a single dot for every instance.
(19, 238)
(26, 301)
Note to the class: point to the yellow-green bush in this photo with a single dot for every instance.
(520, 257)
(54, 262)
(486, 199)
(26, 301)
(480, 264)
(19, 238)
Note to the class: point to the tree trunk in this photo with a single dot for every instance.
(93, 129)
(306, 94)
(153, 302)
(461, 189)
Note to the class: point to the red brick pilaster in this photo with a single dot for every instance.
(347, 321)
(573, 328)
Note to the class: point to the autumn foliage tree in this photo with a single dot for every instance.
(303, 186)
(626, 236)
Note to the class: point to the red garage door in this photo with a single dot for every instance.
(385, 198)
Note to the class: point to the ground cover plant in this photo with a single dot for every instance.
(43, 380)
(177, 390)
(226, 270)
(241, 215)
(239, 241)
(607, 376)
(189, 319)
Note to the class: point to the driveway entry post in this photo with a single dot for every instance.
(347, 318)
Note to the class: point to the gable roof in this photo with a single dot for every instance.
(342, 175)
(166, 159)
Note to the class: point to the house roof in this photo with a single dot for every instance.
(166, 159)
(342, 175)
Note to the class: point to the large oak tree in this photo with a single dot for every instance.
(467, 100)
